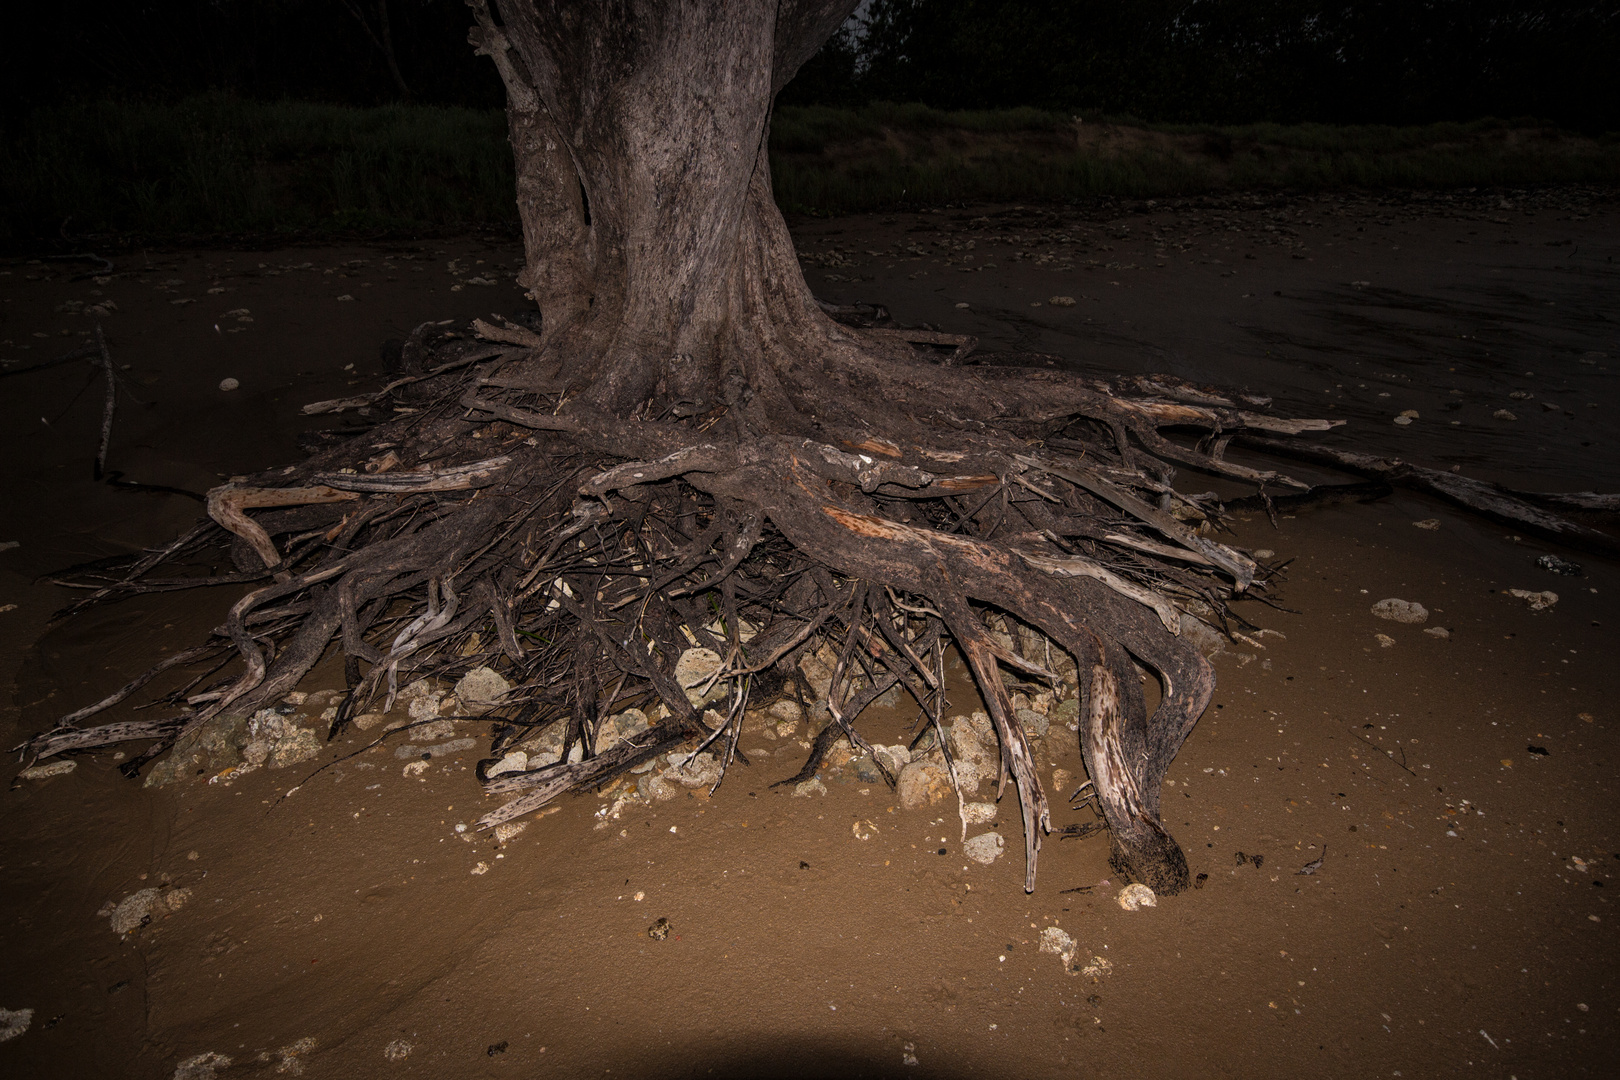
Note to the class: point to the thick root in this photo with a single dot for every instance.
(494, 520)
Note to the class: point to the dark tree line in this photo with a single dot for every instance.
(361, 52)
(1235, 61)
(1218, 61)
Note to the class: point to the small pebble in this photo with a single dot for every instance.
(1136, 895)
(228, 384)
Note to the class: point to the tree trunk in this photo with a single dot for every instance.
(668, 284)
(655, 250)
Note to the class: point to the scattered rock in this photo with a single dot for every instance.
(1503, 414)
(545, 748)
(202, 1067)
(228, 385)
(414, 768)
(454, 746)
(516, 761)
(866, 770)
(1430, 524)
(694, 670)
(974, 751)
(922, 783)
(616, 729)
(13, 1022)
(1099, 966)
(369, 720)
(659, 930)
(1061, 301)
(434, 730)
(894, 758)
(291, 1056)
(656, 788)
(140, 907)
(1067, 712)
(786, 712)
(985, 848)
(419, 688)
(1384, 641)
(1136, 895)
(1438, 631)
(398, 1050)
(1034, 723)
(480, 869)
(1406, 417)
(481, 686)
(979, 813)
(132, 911)
(694, 770)
(1401, 611)
(1560, 566)
(817, 669)
(1061, 945)
(214, 746)
(812, 786)
(1538, 601)
(508, 830)
(55, 768)
(424, 707)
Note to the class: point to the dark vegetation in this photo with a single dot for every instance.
(199, 118)
(1234, 61)
(215, 165)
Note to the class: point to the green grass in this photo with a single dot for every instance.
(217, 166)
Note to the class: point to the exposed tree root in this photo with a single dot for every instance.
(488, 519)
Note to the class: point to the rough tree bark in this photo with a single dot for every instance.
(686, 448)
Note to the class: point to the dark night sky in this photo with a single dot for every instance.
(1386, 61)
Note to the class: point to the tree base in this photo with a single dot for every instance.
(486, 518)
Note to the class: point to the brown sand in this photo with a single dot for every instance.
(1460, 923)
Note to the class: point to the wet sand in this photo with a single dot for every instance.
(1459, 924)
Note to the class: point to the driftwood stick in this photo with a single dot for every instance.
(105, 734)
(184, 656)
(1488, 499)
(110, 405)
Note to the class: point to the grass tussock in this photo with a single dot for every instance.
(215, 165)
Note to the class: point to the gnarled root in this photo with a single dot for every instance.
(496, 521)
